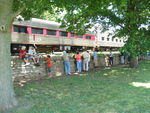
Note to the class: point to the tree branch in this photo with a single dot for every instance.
(18, 12)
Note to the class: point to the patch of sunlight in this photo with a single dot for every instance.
(58, 73)
(62, 95)
(122, 72)
(105, 74)
(82, 75)
(139, 84)
(137, 71)
(113, 71)
(76, 73)
(144, 69)
(127, 68)
(32, 89)
(107, 68)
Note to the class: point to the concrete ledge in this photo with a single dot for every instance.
(32, 72)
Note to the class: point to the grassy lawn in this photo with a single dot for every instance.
(116, 90)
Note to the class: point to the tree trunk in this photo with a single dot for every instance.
(7, 95)
(133, 62)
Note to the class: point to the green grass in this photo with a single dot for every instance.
(105, 91)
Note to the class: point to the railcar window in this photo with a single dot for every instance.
(88, 37)
(72, 35)
(65, 34)
(80, 36)
(37, 31)
(116, 40)
(20, 29)
(51, 32)
(103, 38)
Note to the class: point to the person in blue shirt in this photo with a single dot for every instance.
(95, 56)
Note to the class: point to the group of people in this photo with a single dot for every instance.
(31, 54)
(82, 60)
(124, 58)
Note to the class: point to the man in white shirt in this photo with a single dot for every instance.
(86, 60)
(33, 55)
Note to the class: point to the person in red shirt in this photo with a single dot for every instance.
(49, 65)
(22, 55)
(78, 62)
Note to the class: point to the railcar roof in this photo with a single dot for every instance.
(39, 23)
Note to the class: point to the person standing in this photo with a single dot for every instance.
(106, 61)
(78, 62)
(110, 58)
(86, 58)
(49, 65)
(126, 58)
(95, 55)
(122, 58)
(66, 63)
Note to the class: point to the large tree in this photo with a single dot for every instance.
(129, 17)
(8, 12)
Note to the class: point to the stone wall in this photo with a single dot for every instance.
(147, 58)
(31, 72)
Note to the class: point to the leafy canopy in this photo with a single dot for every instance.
(131, 19)
(33, 8)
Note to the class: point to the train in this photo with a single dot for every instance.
(47, 36)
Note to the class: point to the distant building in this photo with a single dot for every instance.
(106, 41)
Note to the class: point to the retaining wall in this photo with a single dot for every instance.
(31, 72)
